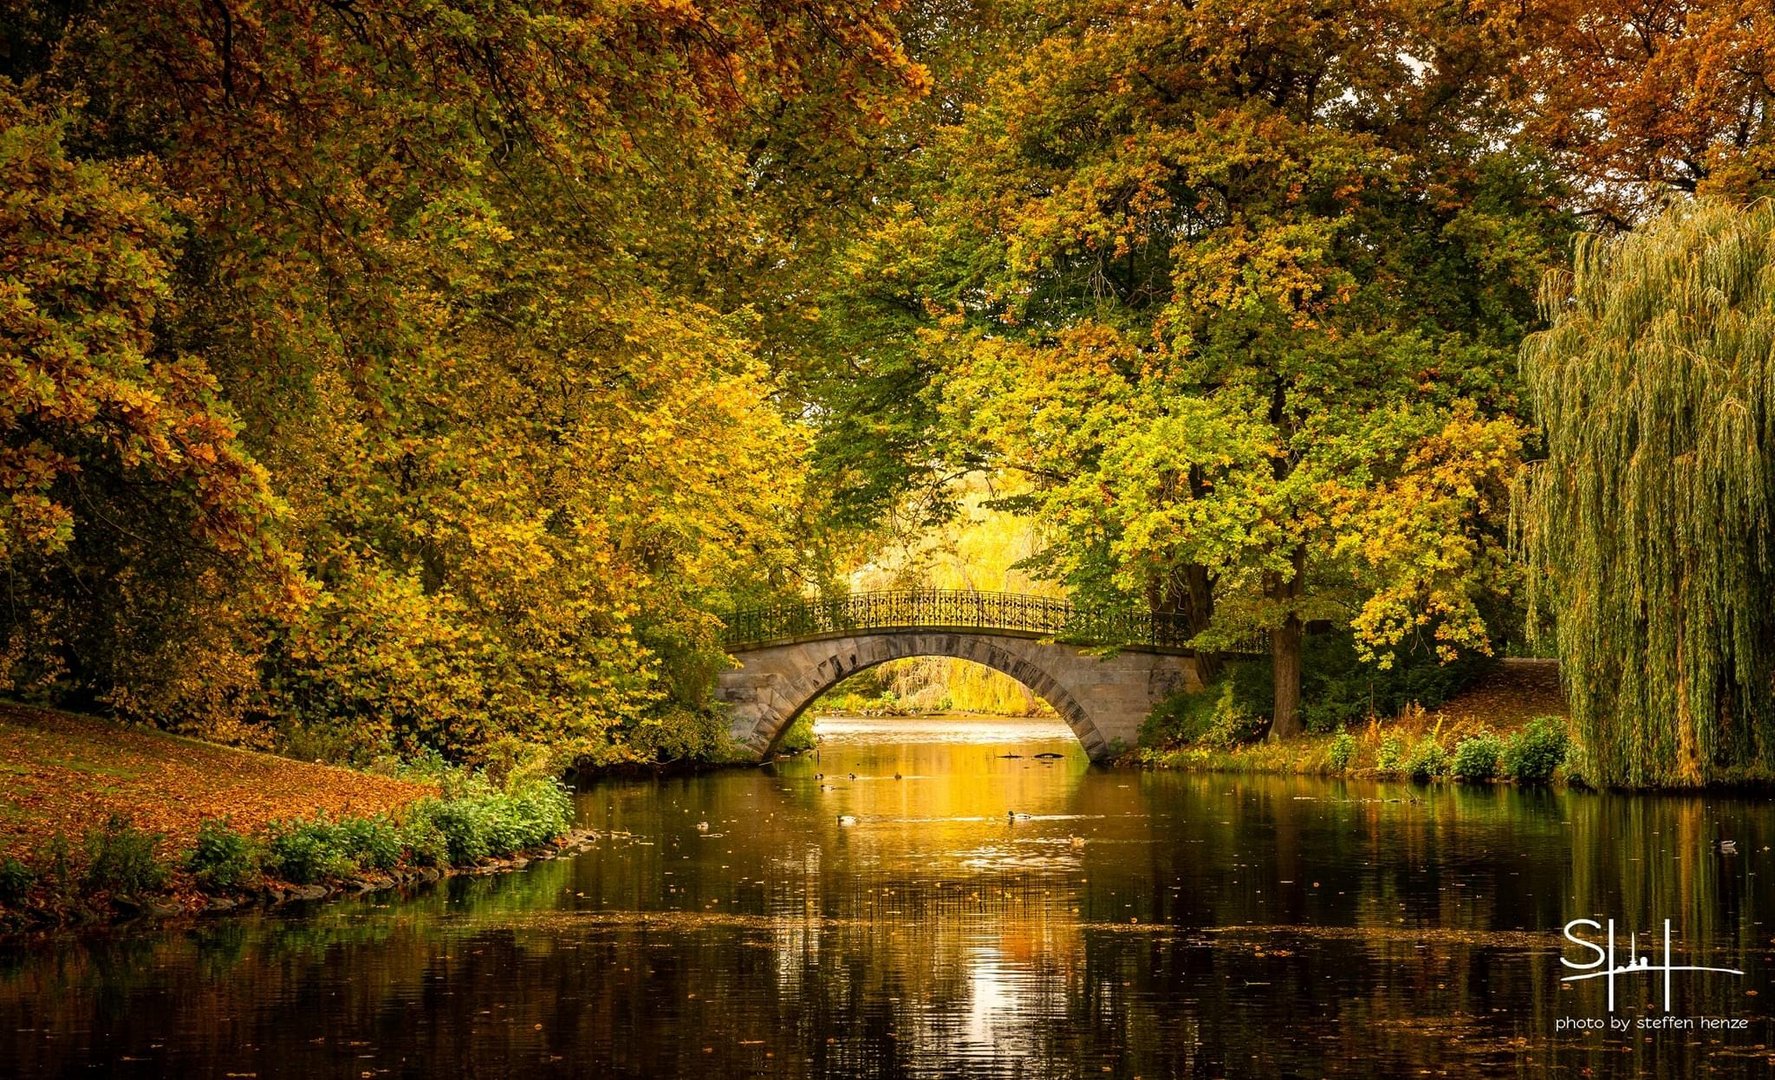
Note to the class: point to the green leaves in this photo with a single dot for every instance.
(1236, 293)
(1646, 525)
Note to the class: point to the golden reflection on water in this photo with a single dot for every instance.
(948, 896)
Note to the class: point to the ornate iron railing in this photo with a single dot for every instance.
(952, 609)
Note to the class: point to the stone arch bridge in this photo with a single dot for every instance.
(790, 654)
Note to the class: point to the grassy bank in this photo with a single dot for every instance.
(1510, 725)
(98, 820)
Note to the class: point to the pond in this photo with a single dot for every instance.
(964, 897)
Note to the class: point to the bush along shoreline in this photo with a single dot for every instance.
(1537, 753)
(119, 872)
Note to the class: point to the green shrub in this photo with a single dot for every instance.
(1534, 753)
(1428, 760)
(1343, 751)
(371, 842)
(58, 867)
(503, 826)
(308, 852)
(458, 822)
(1181, 719)
(527, 816)
(121, 860)
(424, 842)
(473, 820)
(222, 858)
(426, 767)
(16, 880)
(478, 821)
(682, 735)
(800, 736)
(1231, 724)
(1389, 758)
(1476, 758)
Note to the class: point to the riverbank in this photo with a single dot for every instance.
(69, 774)
(100, 821)
(1520, 695)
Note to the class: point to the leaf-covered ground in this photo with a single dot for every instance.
(1504, 699)
(65, 773)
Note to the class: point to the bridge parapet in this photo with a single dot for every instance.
(1016, 614)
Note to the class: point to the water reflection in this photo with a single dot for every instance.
(991, 912)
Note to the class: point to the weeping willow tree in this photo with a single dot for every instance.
(1647, 526)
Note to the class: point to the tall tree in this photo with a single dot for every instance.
(848, 348)
(1233, 283)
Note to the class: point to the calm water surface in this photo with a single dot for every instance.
(991, 912)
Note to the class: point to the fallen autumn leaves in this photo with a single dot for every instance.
(98, 819)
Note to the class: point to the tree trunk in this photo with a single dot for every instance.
(1285, 664)
(1285, 589)
(1198, 592)
(1189, 592)
(1285, 650)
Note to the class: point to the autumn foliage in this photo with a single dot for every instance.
(385, 378)
(1643, 100)
(377, 378)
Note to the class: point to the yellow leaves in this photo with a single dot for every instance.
(510, 456)
(577, 502)
(1426, 538)
(1280, 266)
(86, 261)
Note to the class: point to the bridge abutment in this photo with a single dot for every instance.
(1102, 698)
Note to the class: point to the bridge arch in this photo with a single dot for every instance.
(1103, 699)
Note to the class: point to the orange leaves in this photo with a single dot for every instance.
(86, 263)
(1640, 97)
(69, 774)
